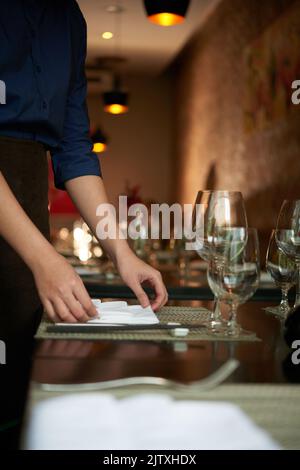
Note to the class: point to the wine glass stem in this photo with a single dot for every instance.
(284, 304)
(216, 313)
(297, 300)
(232, 323)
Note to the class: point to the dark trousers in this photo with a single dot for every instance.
(24, 166)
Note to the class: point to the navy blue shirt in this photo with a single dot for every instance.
(42, 56)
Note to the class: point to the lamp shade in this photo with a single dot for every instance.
(99, 141)
(115, 102)
(166, 12)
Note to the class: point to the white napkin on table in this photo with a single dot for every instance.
(116, 313)
(98, 421)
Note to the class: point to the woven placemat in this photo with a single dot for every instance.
(184, 315)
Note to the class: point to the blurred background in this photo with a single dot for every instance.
(203, 104)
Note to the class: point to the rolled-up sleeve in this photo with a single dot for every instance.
(74, 156)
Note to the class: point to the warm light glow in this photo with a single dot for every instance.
(166, 19)
(78, 234)
(107, 35)
(227, 211)
(82, 241)
(99, 147)
(116, 108)
(63, 233)
(98, 251)
(84, 253)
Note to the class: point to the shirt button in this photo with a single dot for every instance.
(44, 105)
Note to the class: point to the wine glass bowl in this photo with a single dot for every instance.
(289, 242)
(234, 283)
(283, 270)
(288, 236)
(237, 278)
(200, 224)
(217, 212)
(226, 210)
(228, 243)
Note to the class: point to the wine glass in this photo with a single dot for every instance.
(224, 209)
(288, 236)
(200, 228)
(284, 273)
(236, 279)
(226, 244)
(200, 224)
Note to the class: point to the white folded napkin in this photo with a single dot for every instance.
(142, 422)
(116, 313)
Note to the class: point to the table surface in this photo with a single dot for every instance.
(266, 361)
(258, 386)
(95, 361)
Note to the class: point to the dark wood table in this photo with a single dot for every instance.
(255, 386)
(267, 361)
(93, 361)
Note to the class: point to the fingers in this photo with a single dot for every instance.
(83, 297)
(63, 293)
(141, 295)
(76, 308)
(50, 311)
(161, 295)
(62, 311)
(71, 307)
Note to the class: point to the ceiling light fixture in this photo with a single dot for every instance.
(107, 35)
(116, 100)
(114, 8)
(166, 12)
(99, 141)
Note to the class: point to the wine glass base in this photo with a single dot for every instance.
(236, 331)
(217, 325)
(277, 312)
(233, 331)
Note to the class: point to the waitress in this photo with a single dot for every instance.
(42, 57)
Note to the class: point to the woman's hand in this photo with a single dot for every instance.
(61, 291)
(135, 272)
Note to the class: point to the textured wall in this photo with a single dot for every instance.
(213, 149)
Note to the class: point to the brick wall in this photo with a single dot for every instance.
(214, 151)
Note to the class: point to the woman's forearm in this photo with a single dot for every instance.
(87, 193)
(61, 291)
(19, 231)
